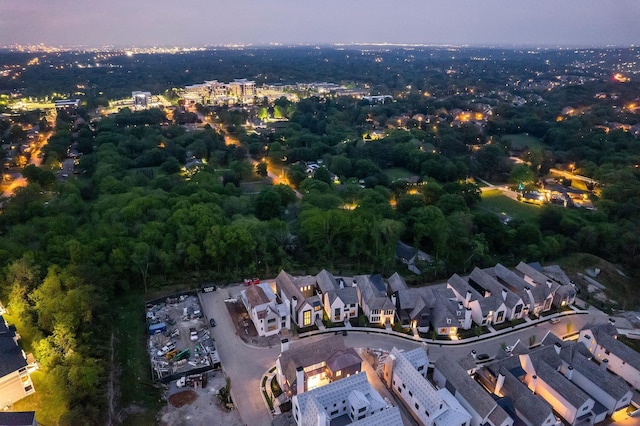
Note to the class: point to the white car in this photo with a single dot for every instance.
(194, 334)
(554, 320)
(508, 349)
(167, 348)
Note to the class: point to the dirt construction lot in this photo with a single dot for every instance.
(198, 407)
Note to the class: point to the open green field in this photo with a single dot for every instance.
(396, 173)
(496, 202)
(523, 140)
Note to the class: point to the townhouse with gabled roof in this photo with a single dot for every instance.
(610, 391)
(349, 401)
(268, 316)
(486, 308)
(505, 379)
(534, 299)
(484, 410)
(545, 379)
(424, 308)
(566, 292)
(484, 282)
(540, 288)
(301, 298)
(373, 299)
(305, 366)
(339, 299)
(602, 342)
(405, 374)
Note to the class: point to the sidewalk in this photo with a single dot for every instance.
(492, 332)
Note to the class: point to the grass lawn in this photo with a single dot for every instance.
(523, 140)
(396, 173)
(496, 202)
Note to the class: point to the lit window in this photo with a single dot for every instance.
(338, 373)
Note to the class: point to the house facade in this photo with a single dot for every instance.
(300, 296)
(340, 300)
(613, 355)
(373, 299)
(268, 316)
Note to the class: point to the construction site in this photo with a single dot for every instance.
(180, 343)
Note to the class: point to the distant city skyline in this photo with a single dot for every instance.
(126, 23)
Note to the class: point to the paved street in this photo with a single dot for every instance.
(246, 365)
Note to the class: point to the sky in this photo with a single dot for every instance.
(143, 23)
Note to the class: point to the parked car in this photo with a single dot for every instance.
(167, 348)
(194, 334)
(212, 322)
(482, 357)
(251, 281)
(554, 320)
(508, 349)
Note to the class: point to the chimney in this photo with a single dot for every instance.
(467, 318)
(557, 346)
(499, 384)
(549, 283)
(474, 353)
(569, 373)
(467, 298)
(300, 385)
(504, 294)
(534, 383)
(604, 364)
(284, 345)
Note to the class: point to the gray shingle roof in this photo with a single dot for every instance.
(464, 385)
(304, 354)
(572, 393)
(348, 295)
(344, 358)
(604, 335)
(17, 418)
(326, 281)
(608, 382)
(11, 358)
(373, 292)
(396, 283)
(527, 404)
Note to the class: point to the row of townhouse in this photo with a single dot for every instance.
(558, 382)
(487, 296)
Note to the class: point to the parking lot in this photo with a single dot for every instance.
(180, 340)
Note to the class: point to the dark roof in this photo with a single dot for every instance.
(604, 335)
(304, 354)
(396, 283)
(17, 418)
(256, 296)
(557, 381)
(464, 385)
(344, 359)
(11, 357)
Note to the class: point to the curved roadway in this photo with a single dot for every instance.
(246, 365)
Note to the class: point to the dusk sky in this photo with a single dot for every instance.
(129, 23)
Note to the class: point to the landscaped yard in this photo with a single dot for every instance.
(523, 140)
(496, 202)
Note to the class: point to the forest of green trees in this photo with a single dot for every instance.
(132, 220)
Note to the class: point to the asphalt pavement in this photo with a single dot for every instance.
(246, 365)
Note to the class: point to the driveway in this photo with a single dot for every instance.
(245, 365)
